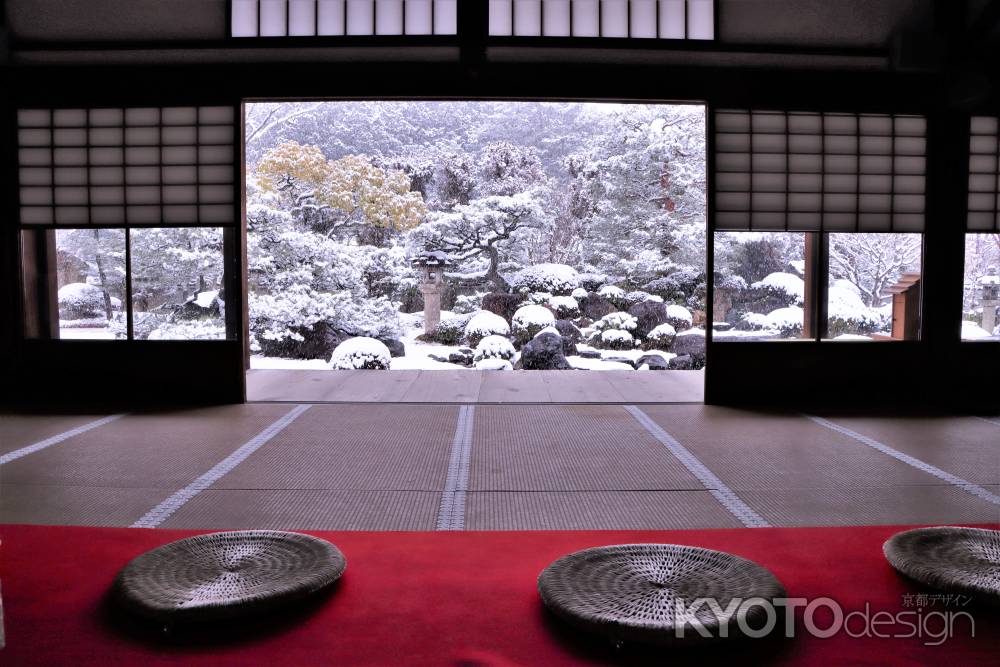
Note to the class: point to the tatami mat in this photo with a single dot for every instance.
(849, 506)
(17, 431)
(162, 450)
(76, 505)
(569, 448)
(363, 447)
(963, 446)
(308, 510)
(595, 510)
(366, 466)
(758, 450)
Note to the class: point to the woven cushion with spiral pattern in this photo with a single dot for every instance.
(643, 592)
(227, 575)
(959, 560)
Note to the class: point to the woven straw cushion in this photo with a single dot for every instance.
(628, 592)
(226, 575)
(959, 560)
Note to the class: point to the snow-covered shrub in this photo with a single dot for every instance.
(680, 317)
(558, 279)
(848, 314)
(494, 347)
(529, 320)
(80, 300)
(565, 307)
(467, 303)
(450, 330)
(361, 353)
(680, 286)
(752, 322)
(636, 296)
(592, 282)
(616, 295)
(494, 365)
(660, 338)
(730, 283)
(189, 330)
(616, 339)
(616, 322)
(540, 298)
(579, 293)
(289, 318)
(483, 324)
(783, 286)
(786, 321)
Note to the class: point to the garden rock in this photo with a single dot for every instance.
(544, 352)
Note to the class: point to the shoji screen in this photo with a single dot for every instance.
(834, 172)
(312, 18)
(126, 166)
(984, 175)
(663, 19)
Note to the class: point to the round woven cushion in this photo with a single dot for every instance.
(227, 575)
(959, 560)
(628, 592)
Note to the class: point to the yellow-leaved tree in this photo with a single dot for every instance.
(345, 196)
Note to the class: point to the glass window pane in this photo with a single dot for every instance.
(759, 286)
(177, 284)
(981, 301)
(873, 291)
(90, 283)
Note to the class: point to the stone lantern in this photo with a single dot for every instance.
(431, 265)
(989, 286)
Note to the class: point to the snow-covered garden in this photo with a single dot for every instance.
(575, 234)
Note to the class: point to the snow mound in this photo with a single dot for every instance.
(579, 293)
(493, 365)
(612, 292)
(494, 347)
(551, 330)
(555, 278)
(483, 324)
(361, 353)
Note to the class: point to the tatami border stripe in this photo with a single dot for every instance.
(451, 513)
(159, 514)
(965, 485)
(56, 439)
(733, 503)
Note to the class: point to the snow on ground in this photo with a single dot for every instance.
(270, 363)
(972, 331)
(421, 363)
(86, 333)
(584, 364)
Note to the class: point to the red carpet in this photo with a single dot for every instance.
(451, 599)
